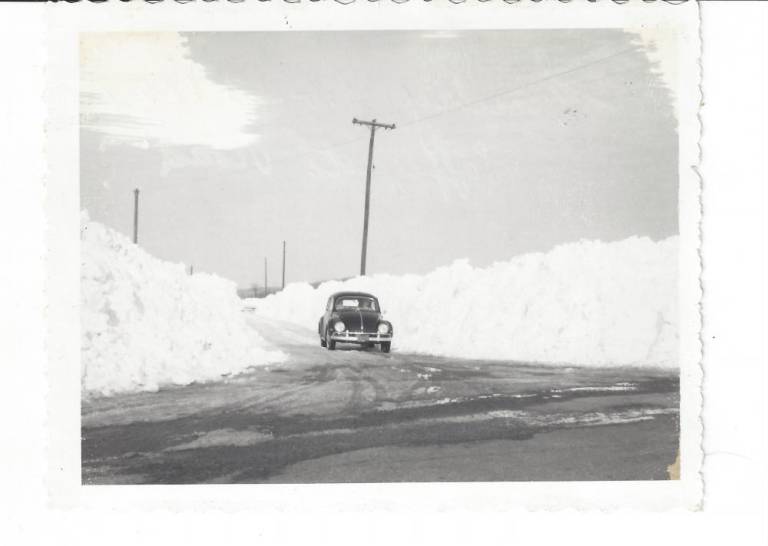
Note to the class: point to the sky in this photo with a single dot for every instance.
(506, 142)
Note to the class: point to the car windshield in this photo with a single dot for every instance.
(355, 302)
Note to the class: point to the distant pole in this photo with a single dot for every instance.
(283, 288)
(136, 216)
(265, 277)
(373, 125)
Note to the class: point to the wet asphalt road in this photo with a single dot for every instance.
(341, 415)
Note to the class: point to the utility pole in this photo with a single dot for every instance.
(136, 216)
(373, 125)
(265, 277)
(283, 288)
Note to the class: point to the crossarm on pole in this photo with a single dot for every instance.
(373, 123)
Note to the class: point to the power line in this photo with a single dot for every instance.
(517, 88)
(471, 103)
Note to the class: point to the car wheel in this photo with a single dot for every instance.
(322, 342)
(329, 343)
(385, 346)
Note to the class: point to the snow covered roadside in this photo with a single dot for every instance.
(587, 303)
(146, 323)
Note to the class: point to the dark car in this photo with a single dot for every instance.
(354, 317)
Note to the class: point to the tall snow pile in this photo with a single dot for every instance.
(147, 323)
(587, 303)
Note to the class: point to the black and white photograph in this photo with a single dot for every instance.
(379, 256)
(384, 272)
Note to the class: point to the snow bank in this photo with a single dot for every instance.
(147, 323)
(587, 303)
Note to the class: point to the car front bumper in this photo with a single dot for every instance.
(358, 337)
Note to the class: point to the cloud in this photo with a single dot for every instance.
(660, 45)
(143, 89)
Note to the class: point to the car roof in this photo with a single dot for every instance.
(366, 294)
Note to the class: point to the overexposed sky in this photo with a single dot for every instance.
(506, 142)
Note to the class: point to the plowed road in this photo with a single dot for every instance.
(363, 416)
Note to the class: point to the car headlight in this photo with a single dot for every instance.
(383, 328)
(339, 326)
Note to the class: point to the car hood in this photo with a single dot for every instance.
(360, 320)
